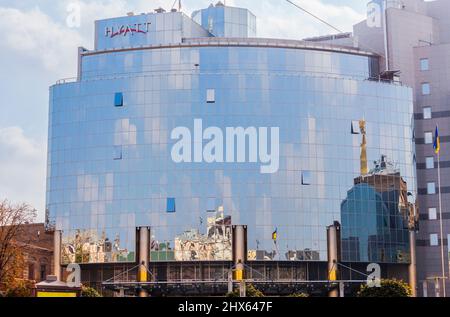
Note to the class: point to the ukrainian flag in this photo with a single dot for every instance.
(437, 142)
(275, 235)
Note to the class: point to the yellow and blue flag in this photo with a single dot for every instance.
(275, 235)
(437, 141)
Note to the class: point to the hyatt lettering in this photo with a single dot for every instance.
(124, 30)
(232, 149)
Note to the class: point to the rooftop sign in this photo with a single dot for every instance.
(127, 29)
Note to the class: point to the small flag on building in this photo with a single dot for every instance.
(437, 142)
(275, 235)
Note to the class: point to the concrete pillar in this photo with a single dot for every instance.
(425, 288)
(342, 289)
(333, 233)
(413, 265)
(240, 256)
(120, 292)
(57, 254)
(144, 250)
(437, 287)
(230, 282)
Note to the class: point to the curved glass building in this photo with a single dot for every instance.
(190, 126)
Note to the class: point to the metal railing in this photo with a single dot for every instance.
(66, 81)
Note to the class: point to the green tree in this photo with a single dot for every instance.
(251, 291)
(389, 288)
(89, 292)
(299, 295)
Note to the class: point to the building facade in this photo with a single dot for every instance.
(418, 47)
(36, 252)
(190, 126)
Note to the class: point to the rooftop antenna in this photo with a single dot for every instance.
(385, 33)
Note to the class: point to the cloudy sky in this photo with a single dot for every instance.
(39, 45)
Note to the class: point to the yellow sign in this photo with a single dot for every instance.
(239, 275)
(55, 294)
(143, 276)
(333, 275)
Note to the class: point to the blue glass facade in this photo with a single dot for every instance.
(111, 168)
(222, 21)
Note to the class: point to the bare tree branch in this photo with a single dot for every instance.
(12, 221)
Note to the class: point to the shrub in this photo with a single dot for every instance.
(299, 295)
(252, 291)
(389, 288)
(89, 292)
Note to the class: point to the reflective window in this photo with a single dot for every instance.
(118, 99)
(355, 127)
(306, 178)
(424, 64)
(430, 162)
(432, 214)
(108, 245)
(428, 137)
(426, 90)
(210, 96)
(431, 188)
(43, 272)
(31, 271)
(211, 207)
(434, 239)
(427, 113)
(118, 154)
(171, 205)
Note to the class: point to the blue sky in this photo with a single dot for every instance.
(38, 48)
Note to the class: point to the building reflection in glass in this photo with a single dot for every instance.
(192, 245)
(111, 167)
(85, 246)
(375, 217)
(291, 255)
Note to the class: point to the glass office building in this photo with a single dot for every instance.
(190, 126)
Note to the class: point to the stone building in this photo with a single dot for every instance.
(37, 252)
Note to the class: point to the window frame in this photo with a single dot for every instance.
(428, 188)
(434, 237)
(171, 206)
(355, 127)
(210, 95)
(118, 99)
(428, 137)
(422, 60)
(306, 178)
(427, 160)
(425, 117)
(118, 149)
(424, 92)
(432, 213)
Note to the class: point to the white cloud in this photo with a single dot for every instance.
(34, 35)
(281, 19)
(22, 169)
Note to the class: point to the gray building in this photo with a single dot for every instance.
(418, 47)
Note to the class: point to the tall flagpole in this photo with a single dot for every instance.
(441, 221)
